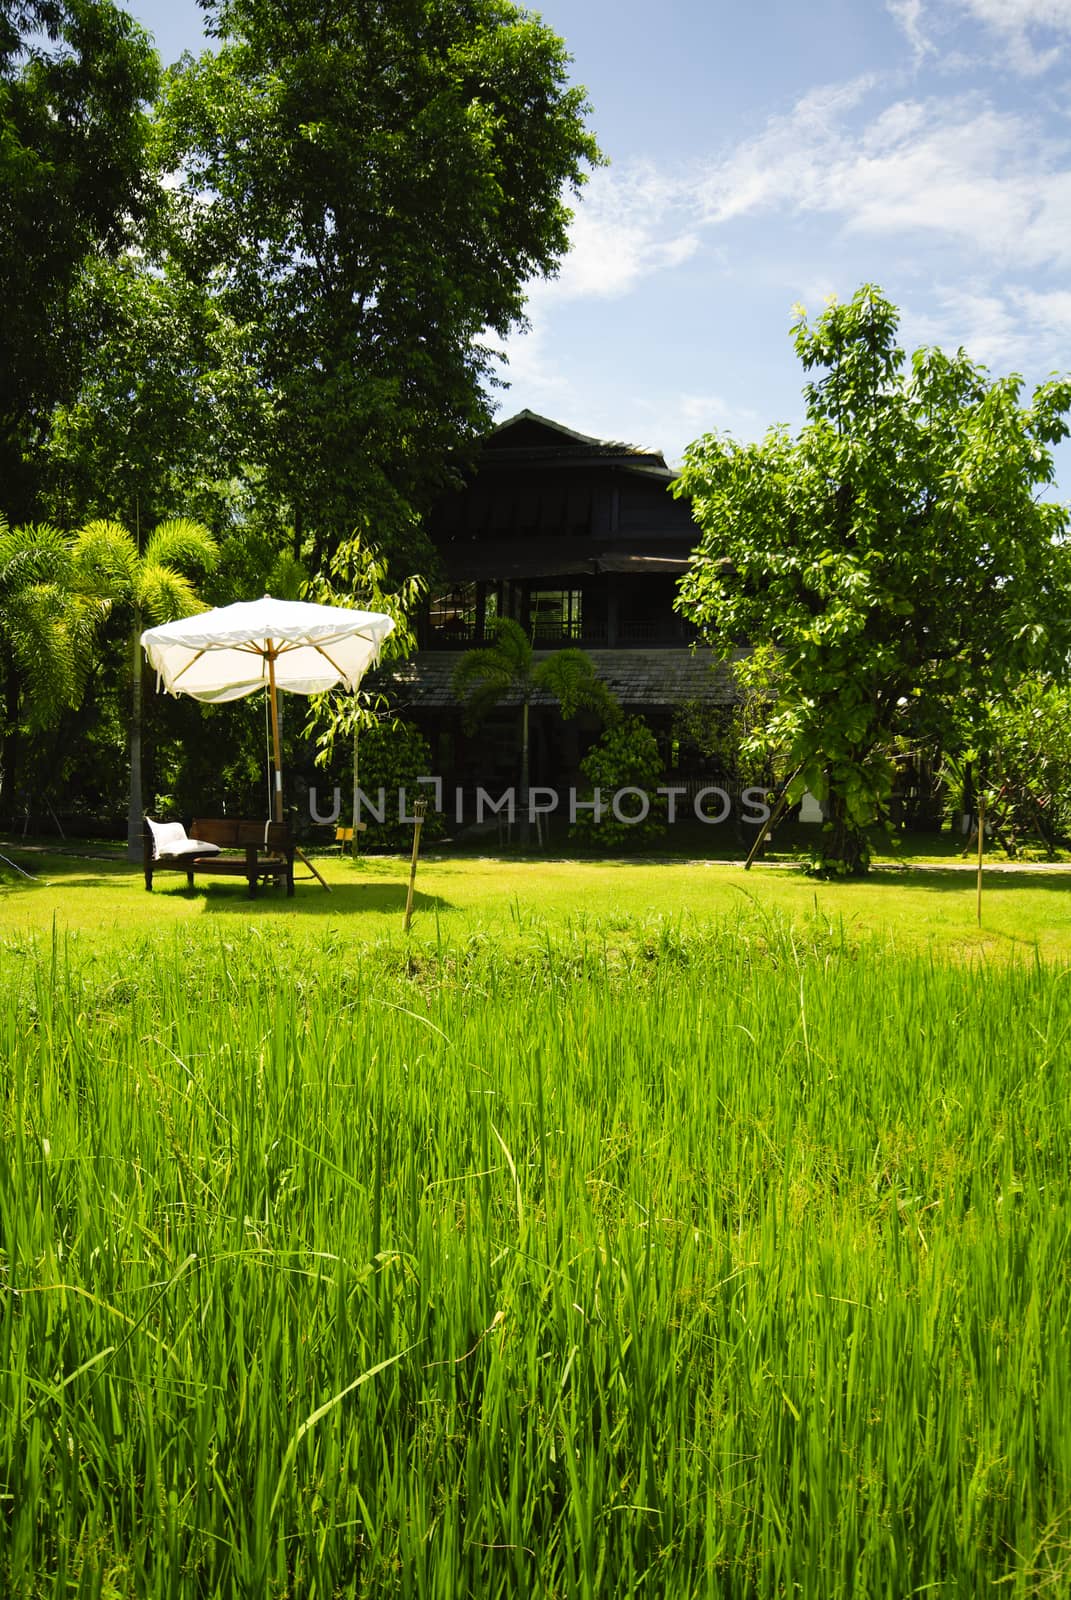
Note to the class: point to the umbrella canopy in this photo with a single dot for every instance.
(266, 644)
(235, 650)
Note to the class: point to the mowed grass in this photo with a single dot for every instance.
(591, 1242)
(928, 907)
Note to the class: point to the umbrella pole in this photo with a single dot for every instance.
(277, 801)
(277, 804)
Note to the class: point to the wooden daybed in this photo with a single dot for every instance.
(221, 847)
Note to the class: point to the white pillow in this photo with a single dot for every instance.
(169, 840)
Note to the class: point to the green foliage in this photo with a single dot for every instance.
(359, 578)
(47, 632)
(1029, 734)
(156, 584)
(507, 671)
(626, 756)
(737, 739)
(74, 79)
(167, 408)
(1021, 763)
(392, 756)
(46, 626)
(896, 553)
(369, 189)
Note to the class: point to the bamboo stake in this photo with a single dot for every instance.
(766, 828)
(419, 811)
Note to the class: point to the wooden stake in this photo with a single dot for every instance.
(767, 828)
(420, 808)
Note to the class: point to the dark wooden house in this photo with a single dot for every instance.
(582, 542)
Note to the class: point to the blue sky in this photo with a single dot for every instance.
(774, 154)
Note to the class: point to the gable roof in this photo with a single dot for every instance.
(528, 437)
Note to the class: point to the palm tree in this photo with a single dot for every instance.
(153, 585)
(46, 632)
(507, 670)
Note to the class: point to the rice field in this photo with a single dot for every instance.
(674, 1261)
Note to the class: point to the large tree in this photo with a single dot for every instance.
(369, 187)
(74, 79)
(897, 551)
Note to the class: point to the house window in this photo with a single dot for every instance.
(452, 615)
(555, 614)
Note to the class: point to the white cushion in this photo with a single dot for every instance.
(169, 839)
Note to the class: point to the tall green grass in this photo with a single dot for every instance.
(668, 1264)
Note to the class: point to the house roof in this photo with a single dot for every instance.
(528, 438)
(653, 679)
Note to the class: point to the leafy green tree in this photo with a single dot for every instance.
(46, 637)
(735, 738)
(74, 79)
(1020, 758)
(166, 411)
(896, 552)
(358, 577)
(152, 585)
(369, 188)
(507, 671)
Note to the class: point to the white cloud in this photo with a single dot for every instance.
(910, 14)
(625, 229)
(1014, 24)
(965, 203)
(958, 169)
(1007, 327)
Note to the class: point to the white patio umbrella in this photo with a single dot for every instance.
(266, 644)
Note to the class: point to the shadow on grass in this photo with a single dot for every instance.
(311, 900)
(996, 879)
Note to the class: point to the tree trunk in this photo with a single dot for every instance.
(526, 826)
(135, 811)
(845, 851)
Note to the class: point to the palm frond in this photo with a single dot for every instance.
(38, 633)
(32, 553)
(514, 646)
(495, 670)
(106, 560)
(183, 544)
(570, 676)
(164, 594)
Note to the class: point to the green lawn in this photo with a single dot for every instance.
(929, 906)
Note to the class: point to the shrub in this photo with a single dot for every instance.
(391, 757)
(626, 756)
